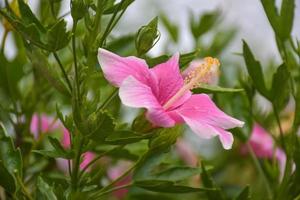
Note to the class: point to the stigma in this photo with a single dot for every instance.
(199, 75)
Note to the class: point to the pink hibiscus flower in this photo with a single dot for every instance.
(263, 146)
(166, 95)
(45, 124)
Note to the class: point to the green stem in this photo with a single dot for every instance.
(108, 100)
(24, 189)
(260, 170)
(63, 70)
(74, 177)
(280, 127)
(75, 58)
(110, 24)
(4, 40)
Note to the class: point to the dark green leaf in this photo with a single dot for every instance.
(57, 36)
(58, 149)
(272, 14)
(9, 156)
(244, 195)
(123, 137)
(7, 181)
(187, 58)
(297, 110)
(27, 15)
(255, 71)
(209, 183)
(204, 88)
(178, 173)
(286, 18)
(166, 186)
(280, 86)
(44, 191)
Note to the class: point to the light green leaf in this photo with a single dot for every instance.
(44, 191)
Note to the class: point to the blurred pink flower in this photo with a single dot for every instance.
(186, 153)
(44, 124)
(166, 94)
(115, 172)
(263, 146)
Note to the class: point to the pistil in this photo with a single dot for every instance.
(194, 79)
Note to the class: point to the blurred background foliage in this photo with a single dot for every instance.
(41, 41)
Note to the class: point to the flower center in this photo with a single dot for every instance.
(200, 74)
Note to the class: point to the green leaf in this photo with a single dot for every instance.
(123, 137)
(44, 191)
(146, 37)
(28, 17)
(255, 71)
(59, 150)
(280, 86)
(184, 59)
(272, 14)
(209, 183)
(244, 195)
(177, 173)
(187, 58)
(118, 7)
(287, 18)
(164, 138)
(9, 156)
(206, 22)
(166, 186)
(57, 36)
(297, 110)
(171, 28)
(7, 181)
(211, 89)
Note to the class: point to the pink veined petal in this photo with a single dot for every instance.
(159, 117)
(66, 138)
(116, 68)
(134, 93)
(169, 79)
(202, 108)
(226, 138)
(42, 123)
(206, 119)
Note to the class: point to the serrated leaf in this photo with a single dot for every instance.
(57, 36)
(166, 186)
(212, 89)
(244, 195)
(44, 191)
(280, 86)
(9, 156)
(255, 71)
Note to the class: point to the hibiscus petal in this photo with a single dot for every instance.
(116, 68)
(169, 79)
(159, 117)
(226, 138)
(134, 93)
(201, 107)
